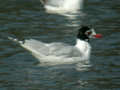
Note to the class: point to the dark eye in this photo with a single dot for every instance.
(88, 33)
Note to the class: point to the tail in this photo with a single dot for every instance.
(15, 40)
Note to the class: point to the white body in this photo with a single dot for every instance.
(84, 47)
(62, 6)
(57, 52)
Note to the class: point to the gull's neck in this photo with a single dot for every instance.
(81, 43)
(84, 47)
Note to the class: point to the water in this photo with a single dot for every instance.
(19, 70)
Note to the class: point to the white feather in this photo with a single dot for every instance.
(56, 52)
(62, 6)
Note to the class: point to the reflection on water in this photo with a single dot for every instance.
(19, 70)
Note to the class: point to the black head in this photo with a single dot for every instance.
(85, 33)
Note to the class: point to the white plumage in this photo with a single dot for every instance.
(62, 6)
(56, 52)
(60, 52)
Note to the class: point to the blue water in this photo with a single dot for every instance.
(19, 70)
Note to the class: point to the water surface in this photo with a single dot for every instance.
(19, 70)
